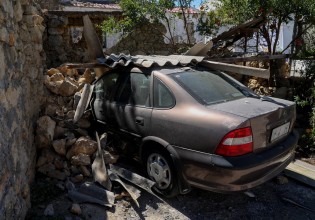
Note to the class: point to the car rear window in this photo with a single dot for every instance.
(207, 87)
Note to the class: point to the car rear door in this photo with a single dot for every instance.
(131, 108)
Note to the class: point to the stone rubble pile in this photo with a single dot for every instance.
(65, 149)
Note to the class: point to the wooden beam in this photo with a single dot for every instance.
(244, 70)
(301, 171)
(249, 59)
(86, 65)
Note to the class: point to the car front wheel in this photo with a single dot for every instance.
(160, 169)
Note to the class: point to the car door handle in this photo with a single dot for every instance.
(139, 121)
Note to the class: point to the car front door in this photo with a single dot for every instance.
(131, 107)
(102, 94)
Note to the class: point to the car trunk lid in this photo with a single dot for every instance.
(271, 119)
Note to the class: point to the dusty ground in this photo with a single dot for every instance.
(270, 202)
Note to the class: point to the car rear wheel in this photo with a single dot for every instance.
(160, 169)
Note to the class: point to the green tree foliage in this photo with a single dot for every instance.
(276, 13)
(137, 12)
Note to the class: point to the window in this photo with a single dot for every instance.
(163, 98)
(104, 86)
(135, 90)
(207, 87)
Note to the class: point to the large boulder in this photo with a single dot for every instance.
(68, 87)
(83, 145)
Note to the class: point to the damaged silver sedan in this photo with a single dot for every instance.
(196, 127)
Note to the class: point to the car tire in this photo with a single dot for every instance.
(160, 168)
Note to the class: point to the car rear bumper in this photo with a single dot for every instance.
(222, 174)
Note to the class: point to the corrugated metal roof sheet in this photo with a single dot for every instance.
(96, 5)
(114, 60)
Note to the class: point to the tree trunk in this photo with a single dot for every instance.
(183, 6)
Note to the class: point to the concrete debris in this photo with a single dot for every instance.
(76, 209)
(281, 180)
(83, 123)
(49, 211)
(60, 146)
(57, 77)
(84, 145)
(45, 131)
(68, 154)
(68, 87)
(250, 194)
(52, 71)
(81, 159)
(50, 171)
(85, 171)
(77, 179)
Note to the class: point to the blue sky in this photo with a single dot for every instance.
(196, 3)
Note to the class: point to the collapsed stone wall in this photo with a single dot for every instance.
(64, 40)
(21, 76)
(146, 40)
(58, 45)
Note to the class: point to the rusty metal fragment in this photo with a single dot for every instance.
(99, 169)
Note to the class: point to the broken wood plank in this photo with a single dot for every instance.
(99, 168)
(301, 171)
(87, 65)
(244, 70)
(91, 193)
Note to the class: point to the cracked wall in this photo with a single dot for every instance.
(21, 76)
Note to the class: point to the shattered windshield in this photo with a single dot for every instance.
(207, 87)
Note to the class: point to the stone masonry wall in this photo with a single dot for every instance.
(21, 76)
(147, 40)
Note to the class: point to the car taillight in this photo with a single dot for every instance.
(236, 143)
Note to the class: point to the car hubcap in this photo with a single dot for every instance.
(159, 170)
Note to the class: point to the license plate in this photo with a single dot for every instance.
(280, 131)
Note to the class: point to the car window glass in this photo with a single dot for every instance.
(135, 90)
(163, 98)
(104, 86)
(207, 87)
